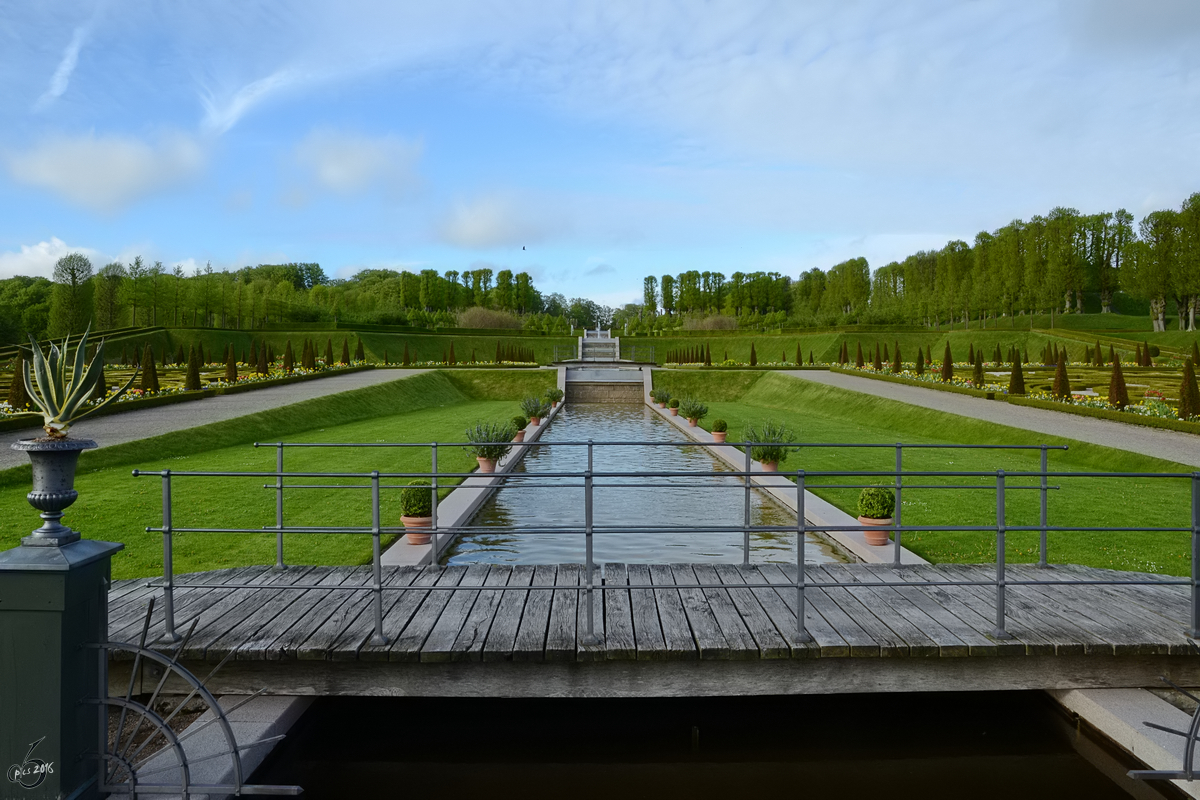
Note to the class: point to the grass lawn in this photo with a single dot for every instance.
(822, 414)
(115, 506)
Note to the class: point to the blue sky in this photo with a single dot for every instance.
(611, 140)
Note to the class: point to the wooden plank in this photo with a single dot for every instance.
(265, 605)
(440, 642)
(127, 624)
(891, 643)
(619, 639)
(583, 650)
(127, 588)
(1023, 615)
(974, 641)
(924, 637)
(647, 630)
(320, 643)
(1163, 609)
(676, 633)
(502, 636)
(768, 640)
(711, 610)
(330, 603)
(531, 636)
(407, 646)
(861, 642)
(780, 605)
(1130, 631)
(978, 612)
(561, 633)
(346, 645)
(268, 642)
(401, 613)
(231, 607)
(470, 642)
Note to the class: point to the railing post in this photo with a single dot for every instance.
(168, 563)
(896, 514)
(801, 537)
(433, 540)
(1045, 493)
(999, 632)
(376, 561)
(1194, 629)
(589, 636)
(746, 515)
(279, 506)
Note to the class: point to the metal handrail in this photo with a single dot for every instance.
(803, 480)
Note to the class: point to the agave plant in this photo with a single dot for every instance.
(64, 385)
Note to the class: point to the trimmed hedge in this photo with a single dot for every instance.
(941, 387)
(1104, 413)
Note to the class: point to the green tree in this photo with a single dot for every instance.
(71, 302)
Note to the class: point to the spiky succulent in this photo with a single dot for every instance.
(60, 387)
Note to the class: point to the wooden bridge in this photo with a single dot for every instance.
(476, 640)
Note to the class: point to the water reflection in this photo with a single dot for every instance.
(677, 501)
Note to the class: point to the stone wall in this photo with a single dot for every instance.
(615, 392)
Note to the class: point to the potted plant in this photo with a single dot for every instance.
(535, 408)
(661, 396)
(720, 430)
(60, 388)
(875, 507)
(673, 407)
(416, 511)
(693, 411)
(554, 395)
(490, 442)
(770, 444)
(519, 423)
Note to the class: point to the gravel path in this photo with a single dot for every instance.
(132, 425)
(1183, 448)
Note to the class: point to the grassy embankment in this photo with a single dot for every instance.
(115, 506)
(823, 414)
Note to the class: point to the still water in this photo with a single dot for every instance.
(683, 501)
(978, 745)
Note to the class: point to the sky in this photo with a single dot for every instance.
(588, 143)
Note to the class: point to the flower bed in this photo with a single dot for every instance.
(930, 380)
(1151, 412)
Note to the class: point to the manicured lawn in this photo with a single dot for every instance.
(115, 506)
(821, 414)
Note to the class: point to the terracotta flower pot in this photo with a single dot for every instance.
(418, 530)
(770, 466)
(486, 464)
(873, 535)
(674, 412)
(662, 405)
(554, 404)
(692, 422)
(535, 421)
(520, 437)
(719, 436)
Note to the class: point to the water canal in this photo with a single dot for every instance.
(676, 501)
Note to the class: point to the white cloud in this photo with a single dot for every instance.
(222, 113)
(62, 76)
(347, 163)
(37, 260)
(495, 221)
(107, 173)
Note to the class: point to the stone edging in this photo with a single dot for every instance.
(817, 511)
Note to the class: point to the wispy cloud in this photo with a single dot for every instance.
(496, 220)
(62, 76)
(223, 112)
(348, 163)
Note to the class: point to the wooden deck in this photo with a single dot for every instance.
(304, 637)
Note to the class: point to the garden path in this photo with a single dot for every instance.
(1183, 448)
(140, 424)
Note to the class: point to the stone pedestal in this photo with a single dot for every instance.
(53, 605)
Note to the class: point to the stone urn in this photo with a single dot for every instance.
(54, 462)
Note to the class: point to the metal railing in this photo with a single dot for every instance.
(997, 481)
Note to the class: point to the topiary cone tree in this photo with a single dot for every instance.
(753, 356)
(1016, 381)
(289, 359)
(896, 358)
(1118, 394)
(264, 366)
(947, 365)
(345, 351)
(877, 364)
(191, 381)
(149, 372)
(977, 372)
(920, 362)
(231, 366)
(359, 355)
(1062, 384)
(858, 358)
(453, 360)
(1189, 394)
(329, 352)
(408, 360)
(18, 398)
